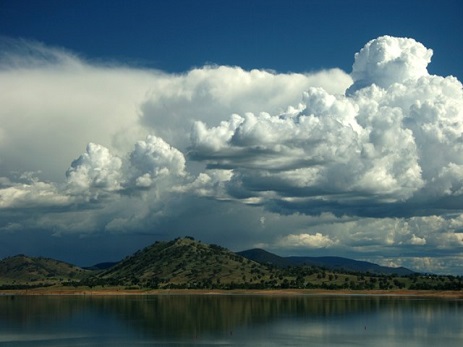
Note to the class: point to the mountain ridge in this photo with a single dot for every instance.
(48, 267)
(185, 263)
(327, 262)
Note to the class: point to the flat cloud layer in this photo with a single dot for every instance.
(366, 165)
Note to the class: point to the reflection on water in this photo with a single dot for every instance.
(230, 320)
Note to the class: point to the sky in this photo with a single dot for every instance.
(318, 128)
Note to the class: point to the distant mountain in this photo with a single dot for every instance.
(346, 264)
(264, 257)
(21, 268)
(332, 263)
(183, 262)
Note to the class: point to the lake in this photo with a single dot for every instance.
(230, 320)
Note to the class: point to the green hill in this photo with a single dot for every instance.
(184, 263)
(31, 270)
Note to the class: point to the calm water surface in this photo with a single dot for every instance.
(230, 320)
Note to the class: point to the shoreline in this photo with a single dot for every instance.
(260, 292)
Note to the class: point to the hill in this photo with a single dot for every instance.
(346, 264)
(30, 270)
(330, 263)
(183, 263)
(264, 257)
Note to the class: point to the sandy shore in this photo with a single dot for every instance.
(280, 292)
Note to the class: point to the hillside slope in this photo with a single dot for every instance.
(331, 263)
(184, 262)
(346, 264)
(264, 257)
(21, 268)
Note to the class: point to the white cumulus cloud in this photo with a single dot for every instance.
(316, 240)
(387, 60)
(384, 149)
(96, 168)
(153, 158)
(419, 241)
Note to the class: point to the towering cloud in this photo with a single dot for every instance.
(96, 168)
(154, 158)
(392, 144)
(387, 60)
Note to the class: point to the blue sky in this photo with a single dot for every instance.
(302, 127)
(285, 36)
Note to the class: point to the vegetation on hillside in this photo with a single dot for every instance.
(188, 264)
(185, 263)
(22, 272)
